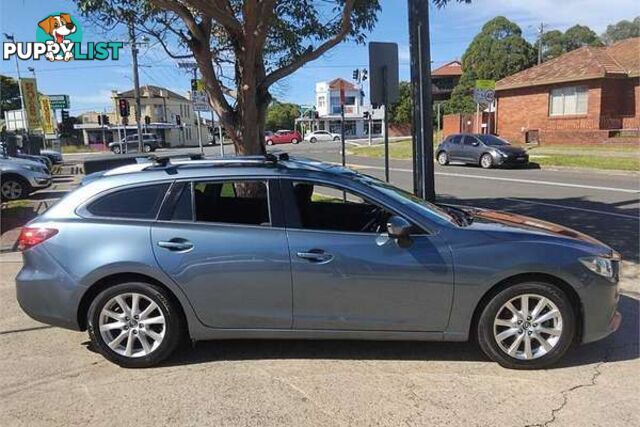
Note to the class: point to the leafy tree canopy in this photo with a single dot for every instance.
(281, 116)
(497, 51)
(9, 95)
(622, 30)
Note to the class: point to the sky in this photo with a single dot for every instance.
(89, 83)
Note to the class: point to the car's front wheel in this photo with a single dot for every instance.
(527, 326)
(134, 324)
(116, 149)
(486, 161)
(313, 140)
(269, 142)
(14, 188)
(294, 141)
(336, 138)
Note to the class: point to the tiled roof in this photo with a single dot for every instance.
(453, 68)
(589, 62)
(335, 84)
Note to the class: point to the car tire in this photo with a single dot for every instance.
(337, 138)
(13, 187)
(294, 141)
(313, 140)
(486, 161)
(161, 338)
(116, 149)
(147, 148)
(269, 142)
(516, 342)
(443, 158)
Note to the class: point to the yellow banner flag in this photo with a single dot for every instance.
(48, 124)
(31, 104)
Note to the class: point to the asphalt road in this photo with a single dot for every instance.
(51, 376)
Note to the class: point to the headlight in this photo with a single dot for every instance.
(500, 153)
(600, 265)
(31, 168)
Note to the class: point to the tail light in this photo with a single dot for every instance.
(32, 236)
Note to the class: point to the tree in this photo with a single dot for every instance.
(259, 41)
(497, 51)
(621, 31)
(401, 111)
(556, 43)
(9, 95)
(282, 115)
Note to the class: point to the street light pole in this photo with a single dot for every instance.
(423, 182)
(136, 82)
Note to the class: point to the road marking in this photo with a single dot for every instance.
(575, 208)
(519, 180)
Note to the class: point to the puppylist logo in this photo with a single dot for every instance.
(59, 38)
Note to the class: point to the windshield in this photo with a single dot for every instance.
(492, 140)
(433, 211)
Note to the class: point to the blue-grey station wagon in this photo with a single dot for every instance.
(148, 255)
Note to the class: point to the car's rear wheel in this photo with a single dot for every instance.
(116, 149)
(443, 158)
(527, 326)
(313, 140)
(269, 142)
(13, 188)
(147, 148)
(134, 324)
(337, 138)
(294, 141)
(486, 161)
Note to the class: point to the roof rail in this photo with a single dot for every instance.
(171, 168)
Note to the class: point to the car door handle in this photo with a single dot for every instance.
(177, 245)
(316, 255)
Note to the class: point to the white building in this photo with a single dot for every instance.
(328, 110)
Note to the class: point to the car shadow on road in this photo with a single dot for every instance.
(622, 345)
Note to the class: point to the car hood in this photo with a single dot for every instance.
(19, 161)
(506, 222)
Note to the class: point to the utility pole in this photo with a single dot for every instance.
(10, 37)
(540, 34)
(198, 120)
(136, 82)
(423, 176)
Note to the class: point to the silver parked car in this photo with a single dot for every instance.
(321, 135)
(282, 248)
(21, 177)
(150, 143)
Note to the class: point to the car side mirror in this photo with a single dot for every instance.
(398, 227)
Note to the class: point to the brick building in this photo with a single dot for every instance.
(589, 95)
(444, 79)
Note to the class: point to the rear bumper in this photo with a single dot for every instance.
(46, 292)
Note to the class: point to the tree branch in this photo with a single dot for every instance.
(345, 29)
(220, 11)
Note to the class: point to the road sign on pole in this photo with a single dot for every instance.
(484, 92)
(59, 102)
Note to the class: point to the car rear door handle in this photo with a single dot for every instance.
(317, 256)
(177, 245)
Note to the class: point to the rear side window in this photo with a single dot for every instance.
(131, 203)
(232, 202)
(456, 139)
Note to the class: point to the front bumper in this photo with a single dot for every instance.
(40, 182)
(600, 308)
(513, 160)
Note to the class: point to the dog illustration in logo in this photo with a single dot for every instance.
(58, 27)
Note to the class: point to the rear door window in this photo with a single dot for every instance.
(130, 203)
(455, 139)
(232, 202)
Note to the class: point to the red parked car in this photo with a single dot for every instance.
(282, 137)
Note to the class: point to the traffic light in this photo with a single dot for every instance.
(147, 120)
(356, 74)
(123, 106)
(105, 120)
(178, 121)
(65, 115)
(100, 119)
(365, 115)
(364, 74)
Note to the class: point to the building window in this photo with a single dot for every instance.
(321, 102)
(349, 100)
(568, 101)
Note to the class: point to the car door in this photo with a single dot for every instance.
(471, 149)
(225, 245)
(454, 148)
(348, 276)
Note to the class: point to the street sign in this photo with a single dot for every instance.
(31, 103)
(484, 92)
(59, 102)
(200, 100)
(383, 69)
(197, 85)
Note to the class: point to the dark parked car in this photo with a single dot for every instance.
(150, 142)
(282, 137)
(486, 150)
(266, 247)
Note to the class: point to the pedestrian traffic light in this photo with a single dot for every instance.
(147, 120)
(178, 121)
(105, 120)
(356, 74)
(100, 119)
(123, 106)
(364, 74)
(65, 115)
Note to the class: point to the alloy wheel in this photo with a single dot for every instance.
(132, 325)
(486, 161)
(528, 326)
(11, 190)
(442, 158)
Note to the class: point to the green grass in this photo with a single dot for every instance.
(70, 149)
(624, 157)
